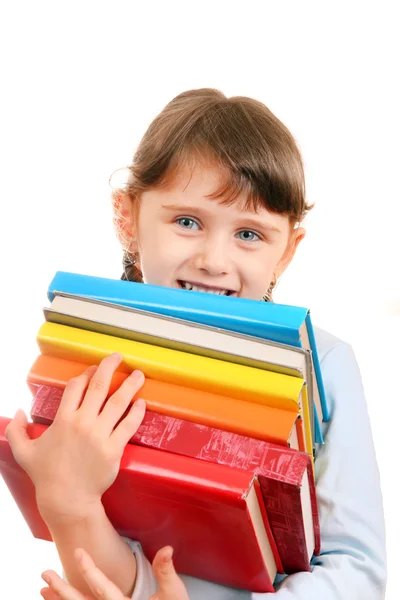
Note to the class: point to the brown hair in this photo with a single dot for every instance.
(256, 153)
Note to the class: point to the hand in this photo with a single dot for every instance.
(170, 586)
(77, 458)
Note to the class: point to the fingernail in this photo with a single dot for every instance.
(168, 557)
(118, 356)
(137, 374)
(46, 578)
(79, 556)
(140, 403)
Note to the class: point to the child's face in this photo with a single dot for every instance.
(185, 239)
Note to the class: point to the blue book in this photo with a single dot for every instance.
(276, 322)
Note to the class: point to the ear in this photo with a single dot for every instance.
(295, 238)
(124, 219)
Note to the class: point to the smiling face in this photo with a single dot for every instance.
(186, 239)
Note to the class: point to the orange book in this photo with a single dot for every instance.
(229, 414)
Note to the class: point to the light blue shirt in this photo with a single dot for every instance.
(352, 562)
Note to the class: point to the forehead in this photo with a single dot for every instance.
(198, 185)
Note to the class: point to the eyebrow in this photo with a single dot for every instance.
(247, 221)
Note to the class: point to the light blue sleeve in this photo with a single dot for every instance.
(352, 563)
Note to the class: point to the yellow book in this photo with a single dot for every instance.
(172, 366)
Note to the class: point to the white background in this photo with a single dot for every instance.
(81, 81)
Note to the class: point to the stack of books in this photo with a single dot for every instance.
(222, 466)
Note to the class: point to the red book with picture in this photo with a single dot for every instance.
(161, 498)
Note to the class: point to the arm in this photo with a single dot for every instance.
(170, 586)
(76, 460)
(352, 563)
(97, 536)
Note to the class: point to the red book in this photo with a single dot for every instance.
(285, 475)
(211, 514)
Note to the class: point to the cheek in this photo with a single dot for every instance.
(162, 256)
(261, 267)
(258, 272)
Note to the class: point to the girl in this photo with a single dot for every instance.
(214, 202)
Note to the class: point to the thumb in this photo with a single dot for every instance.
(163, 567)
(170, 585)
(17, 435)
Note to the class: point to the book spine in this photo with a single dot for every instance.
(319, 439)
(228, 414)
(22, 490)
(314, 507)
(172, 434)
(317, 368)
(268, 529)
(20, 487)
(171, 366)
(267, 320)
(283, 506)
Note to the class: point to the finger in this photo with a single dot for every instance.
(117, 404)
(169, 583)
(128, 426)
(74, 392)
(17, 436)
(101, 586)
(61, 587)
(48, 594)
(99, 386)
(163, 566)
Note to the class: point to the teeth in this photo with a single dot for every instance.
(196, 288)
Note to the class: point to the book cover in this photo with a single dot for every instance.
(228, 414)
(161, 498)
(285, 475)
(290, 325)
(172, 366)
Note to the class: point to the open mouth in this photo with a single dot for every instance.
(196, 287)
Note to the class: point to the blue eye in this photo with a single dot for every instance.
(248, 236)
(187, 223)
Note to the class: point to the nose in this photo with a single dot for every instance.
(213, 257)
